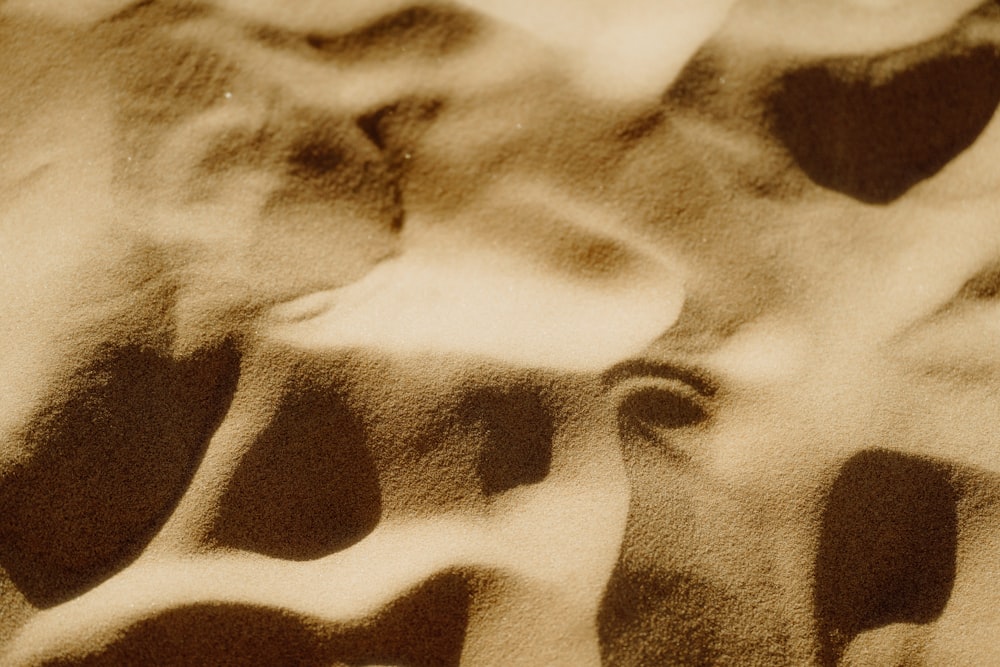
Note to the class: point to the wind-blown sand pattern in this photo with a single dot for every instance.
(500, 333)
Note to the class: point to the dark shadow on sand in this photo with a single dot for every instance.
(111, 461)
(887, 551)
(308, 485)
(873, 128)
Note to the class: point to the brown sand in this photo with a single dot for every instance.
(500, 333)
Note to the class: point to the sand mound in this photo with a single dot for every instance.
(499, 333)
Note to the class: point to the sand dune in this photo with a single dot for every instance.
(499, 333)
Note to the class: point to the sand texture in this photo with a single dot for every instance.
(500, 332)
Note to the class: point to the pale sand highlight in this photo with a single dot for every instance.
(518, 333)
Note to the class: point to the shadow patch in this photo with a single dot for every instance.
(887, 551)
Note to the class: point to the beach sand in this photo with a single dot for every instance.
(499, 333)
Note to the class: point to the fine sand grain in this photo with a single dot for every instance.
(500, 333)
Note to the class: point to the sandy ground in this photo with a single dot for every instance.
(500, 333)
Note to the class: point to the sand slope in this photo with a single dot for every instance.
(499, 333)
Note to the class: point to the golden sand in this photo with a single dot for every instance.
(499, 333)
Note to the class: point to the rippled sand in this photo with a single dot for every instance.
(499, 333)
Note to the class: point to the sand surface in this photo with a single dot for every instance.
(500, 332)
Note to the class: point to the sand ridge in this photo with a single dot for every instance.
(457, 333)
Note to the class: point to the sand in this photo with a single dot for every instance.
(499, 333)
